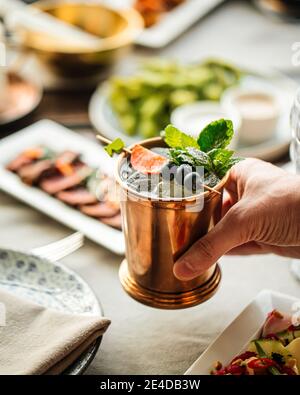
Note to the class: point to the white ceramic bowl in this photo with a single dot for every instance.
(192, 118)
(259, 112)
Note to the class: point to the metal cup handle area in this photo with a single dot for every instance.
(157, 233)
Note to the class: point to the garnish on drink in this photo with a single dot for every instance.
(182, 168)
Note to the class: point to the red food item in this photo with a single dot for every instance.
(288, 371)
(55, 184)
(25, 158)
(293, 328)
(235, 370)
(146, 161)
(17, 163)
(101, 209)
(244, 356)
(272, 336)
(115, 221)
(151, 10)
(276, 322)
(64, 162)
(221, 372)
(34, 153)
(77, 196)
(261, 363)
(31, 172)
(150, 5)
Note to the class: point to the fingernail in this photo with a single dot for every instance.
(183, 270)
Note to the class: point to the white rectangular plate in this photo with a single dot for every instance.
(245, 327)
(58, 138)
(175, 22)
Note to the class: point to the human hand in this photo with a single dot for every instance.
(261, 214)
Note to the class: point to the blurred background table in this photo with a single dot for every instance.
(143, 340)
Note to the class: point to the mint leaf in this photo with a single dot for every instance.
(191, 156)
(179, 156)
(115, 146)
(200, 158)
(177, 139)
(220, 154)
(222, 161)
(227, 166)
(217, 134)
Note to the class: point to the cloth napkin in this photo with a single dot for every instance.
(38, 340)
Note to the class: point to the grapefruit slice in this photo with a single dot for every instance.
(146, 161)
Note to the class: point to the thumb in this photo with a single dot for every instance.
(227, 234)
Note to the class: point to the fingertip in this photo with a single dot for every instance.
(183, 272)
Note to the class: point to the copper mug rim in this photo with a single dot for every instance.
(187, 200)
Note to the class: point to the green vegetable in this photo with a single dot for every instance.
(262, 354)
(285, 337)
(115, 146)
(47, 153)
(177, 139)
(217, 134)
(160, 85)
(297, 333)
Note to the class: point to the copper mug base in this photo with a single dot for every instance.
(167, 300)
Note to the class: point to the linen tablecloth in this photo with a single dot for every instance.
(143, 340)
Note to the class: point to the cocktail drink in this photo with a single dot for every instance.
(171, 195)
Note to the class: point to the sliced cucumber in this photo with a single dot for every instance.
(297, 333)
(286, 337)
(294, 349)
(270, 346)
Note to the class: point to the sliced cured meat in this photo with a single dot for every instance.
(17, 163)
(67, 157)
(26, 157)
(55, 184)
(146, 161)
(77, 196)
(30, 173)
(115, 222)
(63, 162)
(276, 322)
(100, 209)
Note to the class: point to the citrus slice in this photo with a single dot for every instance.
(146, 161)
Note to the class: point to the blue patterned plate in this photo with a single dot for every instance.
(51, 285)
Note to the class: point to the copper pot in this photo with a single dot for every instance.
(157, 233)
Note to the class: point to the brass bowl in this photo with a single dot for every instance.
(157, 232)
(117, 30)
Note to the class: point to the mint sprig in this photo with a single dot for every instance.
(209, 150)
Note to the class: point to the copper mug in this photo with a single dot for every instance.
(157, 232)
